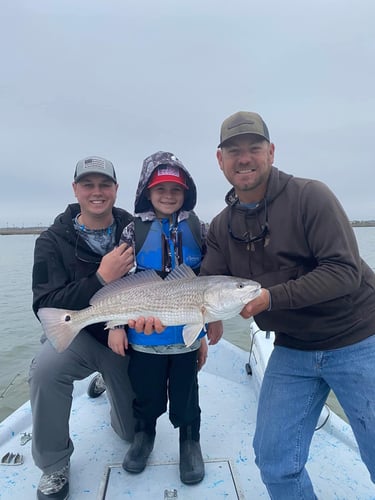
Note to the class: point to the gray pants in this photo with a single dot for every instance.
(51, 385)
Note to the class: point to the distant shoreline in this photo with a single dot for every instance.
(39, 229)
(21, 230)
(364, 223)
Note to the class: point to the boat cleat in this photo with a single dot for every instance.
(12, 459)
(25, 438)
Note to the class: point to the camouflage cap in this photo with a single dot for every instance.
(94, 165)
(243, 122)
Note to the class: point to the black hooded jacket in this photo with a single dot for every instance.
(64, 271)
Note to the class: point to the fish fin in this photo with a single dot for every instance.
(191, 333)
(128, 282)
(58, 330)
(180, 272)
(112, 324)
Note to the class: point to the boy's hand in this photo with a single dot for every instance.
(214, 332)
(202, 353)
(118, 341)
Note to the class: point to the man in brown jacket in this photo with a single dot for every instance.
(293, 236)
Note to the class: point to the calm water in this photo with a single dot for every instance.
(20, 331)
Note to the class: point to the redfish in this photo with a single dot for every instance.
(182, 298)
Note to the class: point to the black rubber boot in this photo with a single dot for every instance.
(136, 458)
(191, 460)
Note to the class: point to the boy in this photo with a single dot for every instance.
(165, 233)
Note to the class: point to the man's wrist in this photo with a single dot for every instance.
(270, 301)
(101, 280)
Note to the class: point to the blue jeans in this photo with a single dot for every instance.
(295, 387)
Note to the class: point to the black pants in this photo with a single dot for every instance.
(155, 377)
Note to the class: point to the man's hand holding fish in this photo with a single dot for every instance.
(261, 303)
(147, 325)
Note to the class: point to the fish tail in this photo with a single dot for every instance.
(58, 327)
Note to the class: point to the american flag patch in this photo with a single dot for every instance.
(94, 162)
(169, 170)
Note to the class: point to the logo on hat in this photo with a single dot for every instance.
(167, 173)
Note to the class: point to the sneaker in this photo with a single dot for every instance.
(54, 486)
(96, 386)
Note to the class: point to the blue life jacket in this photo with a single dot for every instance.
(165, 247)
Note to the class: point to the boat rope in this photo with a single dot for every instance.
(9, 385)
(326, 419)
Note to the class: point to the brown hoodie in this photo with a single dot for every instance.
(322, 292)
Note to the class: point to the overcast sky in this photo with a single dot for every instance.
(125, 78)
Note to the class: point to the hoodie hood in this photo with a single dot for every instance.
(277, 182)
(142, 203)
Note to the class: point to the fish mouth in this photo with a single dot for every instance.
(251, 296)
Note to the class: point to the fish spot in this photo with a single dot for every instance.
(67, 317)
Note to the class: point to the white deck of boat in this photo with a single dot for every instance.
(228, 399)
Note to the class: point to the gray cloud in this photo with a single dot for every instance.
(123, 79)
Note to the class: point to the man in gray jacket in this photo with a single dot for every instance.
(318, 296)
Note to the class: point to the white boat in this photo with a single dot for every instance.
(228, 396)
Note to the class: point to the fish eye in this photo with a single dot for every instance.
(240, 285)
(67, 318)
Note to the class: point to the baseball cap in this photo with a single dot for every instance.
(94, 165)
(168, 173)
(243, 122)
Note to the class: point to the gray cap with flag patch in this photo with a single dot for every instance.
(94, 165)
